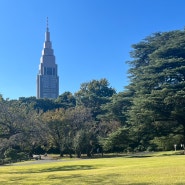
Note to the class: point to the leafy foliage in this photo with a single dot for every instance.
(158, 78)
(94, 94)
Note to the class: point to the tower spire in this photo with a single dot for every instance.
(47, 34)
(47, 28)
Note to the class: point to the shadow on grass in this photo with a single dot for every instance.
(68, 168)
(126, 155)
(60, 168)
(88, 179)
(139, 156)
(131, 155)
(139, 183)
(173, 153)
(102, 179)
(142, 154)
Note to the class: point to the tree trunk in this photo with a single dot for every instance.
(61, 154)
(78, 154)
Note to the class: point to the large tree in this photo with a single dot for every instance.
(66, 100)
(20, 127)
(71, 130)
(39, 104)
(157, 76)
(117, 108)
(94, 94)
(55, 121)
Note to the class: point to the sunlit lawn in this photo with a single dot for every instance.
(156, 169)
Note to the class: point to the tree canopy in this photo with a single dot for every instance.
(157, 76)
(94, 94)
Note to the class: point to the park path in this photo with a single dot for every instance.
(43, 160)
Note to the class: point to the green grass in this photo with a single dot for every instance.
(158, 168)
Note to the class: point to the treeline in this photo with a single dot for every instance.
(70, 124)
(148, 115)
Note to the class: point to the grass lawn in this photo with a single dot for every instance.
(130, 170)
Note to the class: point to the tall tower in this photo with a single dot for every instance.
(47, 78)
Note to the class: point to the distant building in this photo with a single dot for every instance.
(47, 78)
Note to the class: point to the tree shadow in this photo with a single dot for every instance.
(108, 179)
(68, 168)
(60, 168)
(139, 156)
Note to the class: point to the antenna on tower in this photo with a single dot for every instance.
(47, 28)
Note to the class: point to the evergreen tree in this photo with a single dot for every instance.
(94, 94)
(157, 77)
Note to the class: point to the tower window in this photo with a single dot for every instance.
(49, 71)
(44, 70)
(53, 71)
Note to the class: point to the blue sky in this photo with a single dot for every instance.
(91, 39)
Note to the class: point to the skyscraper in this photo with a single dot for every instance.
(47, 78)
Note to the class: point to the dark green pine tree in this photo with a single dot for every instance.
(157, 76)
